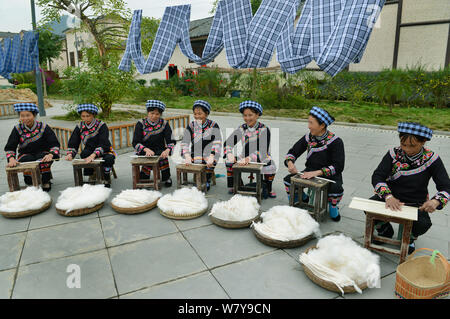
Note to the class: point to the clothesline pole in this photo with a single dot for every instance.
(37, 69)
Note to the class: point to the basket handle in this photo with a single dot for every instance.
(435, 253)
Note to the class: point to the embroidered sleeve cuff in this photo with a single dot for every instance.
(227, 150)
(72, 151)
(99, 151)
(328, 171)
(170, 147)
(10, 154)
(289, 157)
(443, 198)
(382, 190)
(54, 151)
(139, 148)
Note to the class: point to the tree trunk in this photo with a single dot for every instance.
(44, 83)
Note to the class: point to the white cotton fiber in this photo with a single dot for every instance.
(287, 223)
(238, 208)
(184, 201)
(132, 198)
(80, 197)
(343, 255)
(31, 198)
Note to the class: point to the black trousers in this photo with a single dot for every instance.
(44, 168)
(107, 165)
(420, 226)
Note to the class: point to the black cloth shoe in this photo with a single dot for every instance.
(385, 230)
(168, 183)
(47, 187)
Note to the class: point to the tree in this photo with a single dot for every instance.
(50, 45)
(255, 5)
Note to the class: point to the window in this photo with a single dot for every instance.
(72, 59)
(197, 48)
(80, 56)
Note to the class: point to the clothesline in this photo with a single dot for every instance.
(334, 33)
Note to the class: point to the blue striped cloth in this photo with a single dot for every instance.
(415, 129)
(334, 33)
(88, 107)
(31, 107)
(203, 103)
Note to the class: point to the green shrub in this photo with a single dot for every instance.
(31, 86)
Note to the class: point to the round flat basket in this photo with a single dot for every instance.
(80, 212)
(27, 213)
(170, 214)
(281, 243)
(134, 210)
(328, 284)
(232, 223)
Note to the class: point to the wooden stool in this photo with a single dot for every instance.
(137, 163)
(238, 188)
(320, 191)
(78, 167)
(376, 210)
(13, 178)
(199, 176)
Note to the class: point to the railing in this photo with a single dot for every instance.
(121, 136)
(7, 109)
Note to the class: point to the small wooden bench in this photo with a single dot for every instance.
(376, 210)
(239, 188)
(137, 164)
(320, 192)
(199, 176)
(13, 178)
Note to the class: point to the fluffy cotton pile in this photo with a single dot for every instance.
(31, 198)
(132, 198)
(238, 208)
(184, 201)
(287, 223)
(79, 197)
(339, 259)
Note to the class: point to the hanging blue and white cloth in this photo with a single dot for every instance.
(334, 33)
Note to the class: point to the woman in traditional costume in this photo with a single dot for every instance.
(94, 135)
(202, 140)
(402, 178)
(153, 136)
(35, 141)
(255, 138)
(325, 157)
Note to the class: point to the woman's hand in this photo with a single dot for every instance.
(12, 162)
(230, 158)
(210, 161)
(148, 152)
(244, 161)
(90, 158)
(309, 175)
(47, 158)
(393, 203)
(165, 154)
(68, 157)
(429, 206)
(188, 159)
(291, 168)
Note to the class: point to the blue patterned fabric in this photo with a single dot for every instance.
(415, 129)
(19, 56)
(203, 103)
(91, 108)
(251, 105)
(31, 107)
(155, 103)
(322, 115)
(332, 32)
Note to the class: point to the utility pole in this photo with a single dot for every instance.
(40, 93)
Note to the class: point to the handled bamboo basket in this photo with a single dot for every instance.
(420, 278)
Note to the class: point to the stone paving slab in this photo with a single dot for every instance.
(6, 283)
(10, 250)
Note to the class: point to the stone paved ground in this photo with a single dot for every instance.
(150, 256)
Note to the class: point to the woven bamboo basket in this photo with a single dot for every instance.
(328, 284)
(281, 243)
(135, 210)
(171, 215)
(80, 212)
(27, 213)
(232, 223)
(418, 278)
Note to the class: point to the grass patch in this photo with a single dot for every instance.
(116, 116)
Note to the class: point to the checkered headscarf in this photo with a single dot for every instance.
(203, 103)
(415, 129)
(155, 103)
(91, 108)
(251, 105)
(31, 107)
(322, 115)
